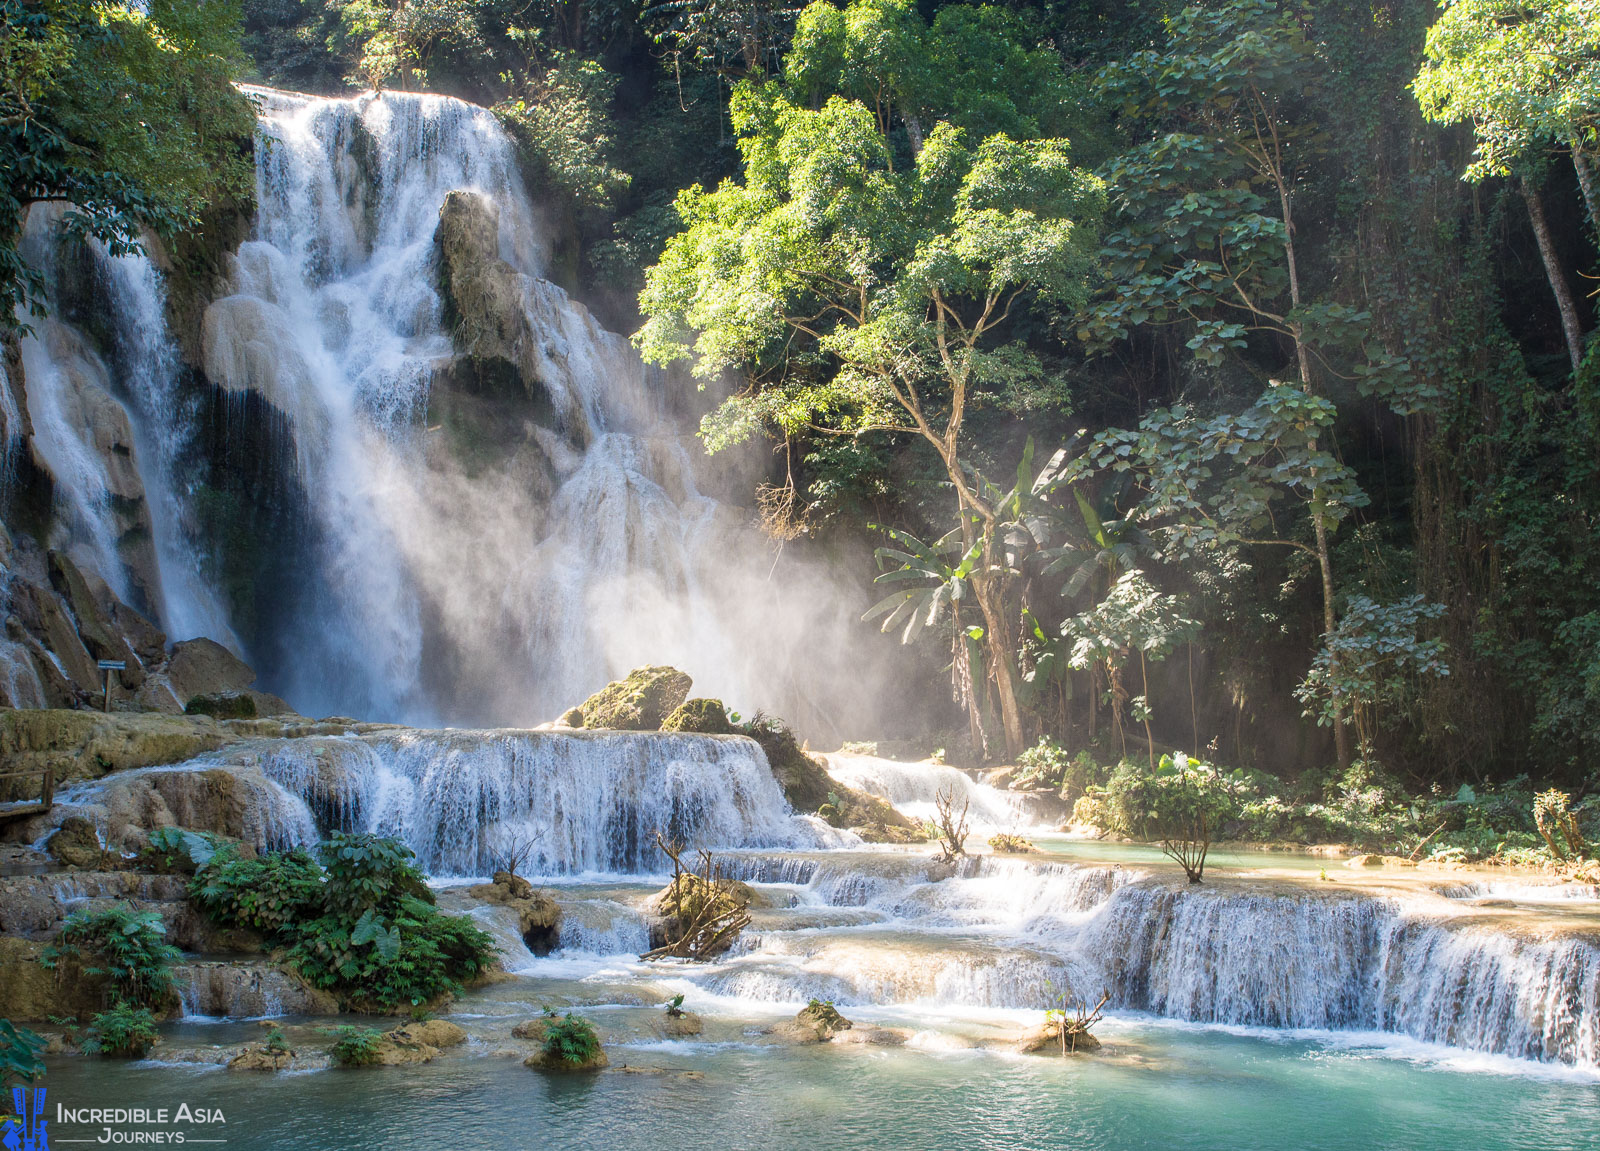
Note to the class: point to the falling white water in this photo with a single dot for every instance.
(506, 586)
(85, 408)
(67, 389)
(582, 802)
(163, 416)
(1352, 963)
(914, 789)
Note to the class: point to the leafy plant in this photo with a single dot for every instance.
(268, 894)
(121, 1030)
(369, 872)
(571, 1041)
(276, 1042)
(173, 849)
(363, 924)
(354, 1046)
(1044, 764)
(675, 1006)
(128, 947)
(20, 1049)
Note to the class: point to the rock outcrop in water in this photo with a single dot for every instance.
(639, 702)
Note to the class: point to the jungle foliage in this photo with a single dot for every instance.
(1211, 373)
(358, 919)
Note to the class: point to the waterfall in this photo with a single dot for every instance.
(485, 549)
(115, 426)
(1352, 963)
(580, 802)
(163, 416)
(914, 787)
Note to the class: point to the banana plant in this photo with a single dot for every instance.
(938, 584)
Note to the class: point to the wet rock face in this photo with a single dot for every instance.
(638, 703)
(76, 843)
(30, 993)
(204, 667)
(538, 915)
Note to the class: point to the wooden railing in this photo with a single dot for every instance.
(47, 787)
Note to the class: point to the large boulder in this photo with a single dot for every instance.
(700, 716)
(638, 703)
(204, 667)
(76, 843)
(482, 293)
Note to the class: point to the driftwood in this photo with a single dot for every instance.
(701, 911)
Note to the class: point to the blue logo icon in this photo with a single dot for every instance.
(22, 1132)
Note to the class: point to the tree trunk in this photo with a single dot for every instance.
(1341, 733)
(1552, 270)
(1586, 181)
(1002, 670)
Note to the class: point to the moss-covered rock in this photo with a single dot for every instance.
(223, 705)
(572, 717)
(805, 782)
(538, 915)
(30, 993)
(638, 703)
(88, 744)
(701, 717)
(817, 1022)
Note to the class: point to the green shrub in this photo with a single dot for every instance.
(1043, 765)
(418, 957)
(128, 947)
(269, 894)
(121, 1030)
(363, 924)
(368, 872)
(354, 1046)
(571, 1040)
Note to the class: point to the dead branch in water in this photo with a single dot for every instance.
(952, 827)
(702, 912)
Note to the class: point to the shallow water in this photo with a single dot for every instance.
(1156, 1086)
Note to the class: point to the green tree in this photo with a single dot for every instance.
(1204, 232)
(1526, 75)
(129, 117)
(858, 297)
(1132, 617)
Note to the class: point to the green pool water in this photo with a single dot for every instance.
(1158, 1086)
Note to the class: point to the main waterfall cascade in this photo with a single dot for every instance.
(455, 580)
(472, 534)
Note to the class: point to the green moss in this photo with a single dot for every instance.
(638, 703)
(223, 705)
(701, 716)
